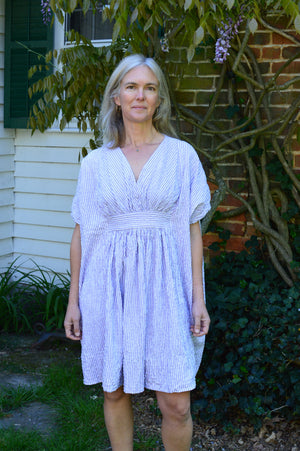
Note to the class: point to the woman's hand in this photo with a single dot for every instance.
(72, 322)
(201, 319)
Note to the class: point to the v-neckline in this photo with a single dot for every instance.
(136, 180)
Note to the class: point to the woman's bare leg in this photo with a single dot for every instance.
(177, 425)
(119, 419)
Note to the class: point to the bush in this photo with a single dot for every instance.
(251, 361)
(28, 298)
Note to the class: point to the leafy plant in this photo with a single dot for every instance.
(251, 362)
(37, 296)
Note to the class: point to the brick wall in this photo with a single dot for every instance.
(194, 85)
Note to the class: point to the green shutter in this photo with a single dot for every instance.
(23, 25)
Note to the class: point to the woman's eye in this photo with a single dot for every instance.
(130, 87)
(151, 88)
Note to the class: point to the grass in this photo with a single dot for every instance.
(79, 422)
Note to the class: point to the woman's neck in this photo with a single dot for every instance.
(137, 134)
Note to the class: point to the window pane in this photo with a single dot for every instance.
(90, 25)
(103, 30)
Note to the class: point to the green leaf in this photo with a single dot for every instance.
(62, 123)
(198, 36)
(297, 23)
(190, 53)
(148, 23)
(164, 7)
(253, 25)
(134, 15)
(187, 4)
(85, 6)
(230, 4)
(72, 5)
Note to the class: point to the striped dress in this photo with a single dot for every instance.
(135, 288)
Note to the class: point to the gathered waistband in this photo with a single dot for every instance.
(139, 219)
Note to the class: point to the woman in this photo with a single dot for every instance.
(136, 298)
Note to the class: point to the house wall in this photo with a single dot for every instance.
(6, 167)
(46, 171)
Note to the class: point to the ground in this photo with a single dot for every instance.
(22, 363)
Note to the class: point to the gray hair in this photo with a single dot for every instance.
(111, 120)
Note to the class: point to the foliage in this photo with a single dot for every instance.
(27, 298)
(249, 132)
(251, 360)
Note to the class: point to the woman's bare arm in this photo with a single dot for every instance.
(200, 314)
(72, 318)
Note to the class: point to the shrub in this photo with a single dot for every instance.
(28, 298)
(251, 361)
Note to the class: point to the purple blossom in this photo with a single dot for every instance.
(164, 43)
(226, 32)
(46, 11)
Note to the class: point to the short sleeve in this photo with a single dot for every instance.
(199, 189)
(84, 192)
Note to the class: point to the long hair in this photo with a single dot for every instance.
(111, 120)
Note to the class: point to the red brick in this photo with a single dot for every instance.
(297, 161)
(282, 97)
(212, 187)
(204, 83)
(295, 146)
(281, 22)
(257, 51)
(185, 97)
(231, 201)
(210, 238)
(260, 39)
(290, 51)
(278, 39)
(250, 230)
(236, 228)
(283, 78)
(236, 244)
(271, 52)
(293, 68)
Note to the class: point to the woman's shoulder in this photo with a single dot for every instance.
(94, 155)
(183, 147)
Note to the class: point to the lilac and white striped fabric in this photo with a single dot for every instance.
(135, 280)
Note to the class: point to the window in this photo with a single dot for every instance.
(90, 25)
(26, 37)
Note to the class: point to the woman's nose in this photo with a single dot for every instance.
(140, 93)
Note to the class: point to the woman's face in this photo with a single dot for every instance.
(138, 96)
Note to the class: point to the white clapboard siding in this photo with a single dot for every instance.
(52, 171)
(6, 197)
(45, 186)
(28, 262)
(43, 217)
(39, 201)
(6, 229)
(6, 163)
(6, 167)
(38, 232)
(46, 172)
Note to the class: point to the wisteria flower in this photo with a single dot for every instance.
(46, 11)
(226, 33)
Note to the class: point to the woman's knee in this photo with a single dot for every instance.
(175, 405)
(115, 396)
